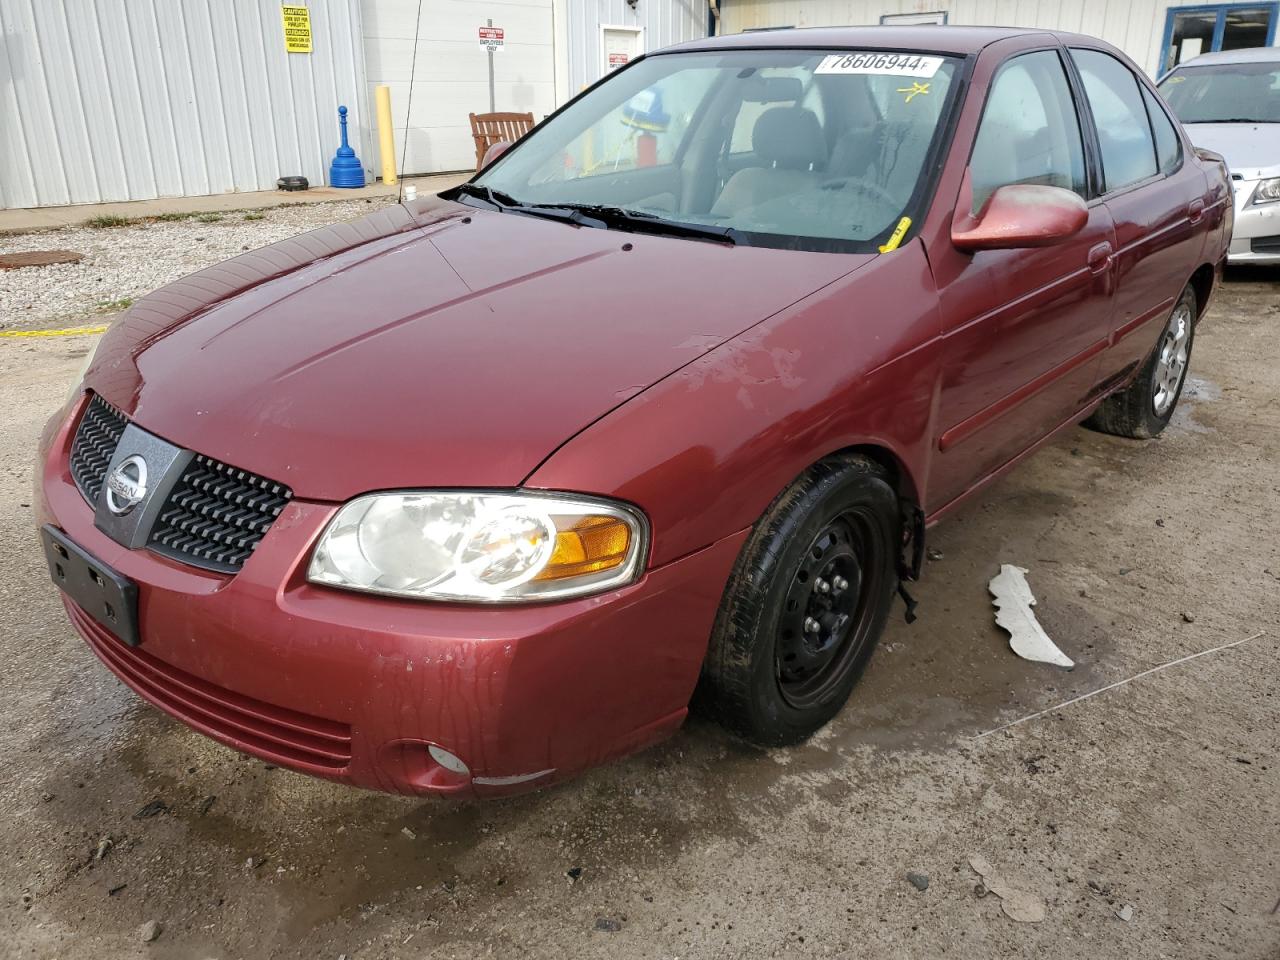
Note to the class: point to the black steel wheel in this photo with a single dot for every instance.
(806, 604)
(824, 616)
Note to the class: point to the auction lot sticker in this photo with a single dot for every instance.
(884, 64)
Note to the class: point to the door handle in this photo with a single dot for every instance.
(1100, 257)
(1194, 210)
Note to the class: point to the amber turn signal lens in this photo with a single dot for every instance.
(589, 546)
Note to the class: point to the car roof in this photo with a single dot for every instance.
(1245, 55)
(942, 39)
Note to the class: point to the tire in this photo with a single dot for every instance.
(1143, 409)
(764, 677)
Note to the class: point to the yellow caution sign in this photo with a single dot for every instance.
(297, 29)
(895, 238)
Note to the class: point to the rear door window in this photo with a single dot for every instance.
(1168, 146)
(1124, 133)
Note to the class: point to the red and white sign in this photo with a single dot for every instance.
(617, 60)
(492, 39)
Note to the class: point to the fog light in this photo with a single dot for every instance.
(447, 760)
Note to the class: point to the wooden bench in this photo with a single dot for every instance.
(489, 128)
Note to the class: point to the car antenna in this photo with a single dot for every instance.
(408, 104)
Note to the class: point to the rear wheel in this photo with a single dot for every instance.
(1144, 407)
(806, 603)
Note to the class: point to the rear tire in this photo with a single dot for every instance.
(1143, 409)
(806, 604)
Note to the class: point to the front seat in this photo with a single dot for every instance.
(790, 144)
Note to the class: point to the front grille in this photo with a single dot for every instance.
(216, 515)
(253, 726)
(1265, 244)
(93, 446)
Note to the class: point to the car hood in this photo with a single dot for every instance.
(458, 350)
(1252, 149)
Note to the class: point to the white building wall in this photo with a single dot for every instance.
(552, 49)
(661, 22)
(104, 100)
(452, 76)
(1135, 26)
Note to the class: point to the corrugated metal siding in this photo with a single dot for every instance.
(664, 22)
(1135, 26)
(452, 76)
(108, 100)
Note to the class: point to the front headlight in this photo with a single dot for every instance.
(1267, 191)
(486, 547)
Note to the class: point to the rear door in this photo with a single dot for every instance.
(1024, 328)
(1156, 199)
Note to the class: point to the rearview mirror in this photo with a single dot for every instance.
(759, 89)
(1017, 215)
(494, 152)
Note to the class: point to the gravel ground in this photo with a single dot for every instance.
(124, 263)
(1144, 821)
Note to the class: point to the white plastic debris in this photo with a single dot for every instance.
(1013, 599)
(1017, 904)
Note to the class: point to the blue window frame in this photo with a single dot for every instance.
(1219, 12)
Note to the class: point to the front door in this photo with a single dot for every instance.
(1027, 326)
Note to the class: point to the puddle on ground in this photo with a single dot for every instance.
(1195, 392)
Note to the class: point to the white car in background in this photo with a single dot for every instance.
(1229, 103)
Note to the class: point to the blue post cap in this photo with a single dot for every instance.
(644, 112)
(346, 170)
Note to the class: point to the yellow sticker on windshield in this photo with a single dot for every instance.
(914, 90)
(1175, 79)
(895, 238)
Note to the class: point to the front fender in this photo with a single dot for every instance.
(704, 451)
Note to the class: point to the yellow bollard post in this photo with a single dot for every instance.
(386, 138)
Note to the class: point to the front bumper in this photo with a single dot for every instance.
(356, 688)
(1254, 223)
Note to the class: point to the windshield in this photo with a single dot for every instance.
(1225, 93)
(792, 148)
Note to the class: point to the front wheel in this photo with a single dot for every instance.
(806, 603)
(1142, 409)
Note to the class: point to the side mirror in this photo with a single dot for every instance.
(1018, 215)
(494, 152)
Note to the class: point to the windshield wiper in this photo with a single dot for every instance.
(640, 221)
(1235, 120)
(596, 215)
(507, 203)
(495, 198)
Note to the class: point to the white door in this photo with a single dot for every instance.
(619, 46)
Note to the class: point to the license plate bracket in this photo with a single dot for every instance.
(108, 597)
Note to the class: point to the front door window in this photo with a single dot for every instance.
(1191, 31)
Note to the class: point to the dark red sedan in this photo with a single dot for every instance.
(471, 494)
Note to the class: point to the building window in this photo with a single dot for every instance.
(1191, 31)
(905, 19)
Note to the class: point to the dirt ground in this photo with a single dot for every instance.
(1162, 795)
